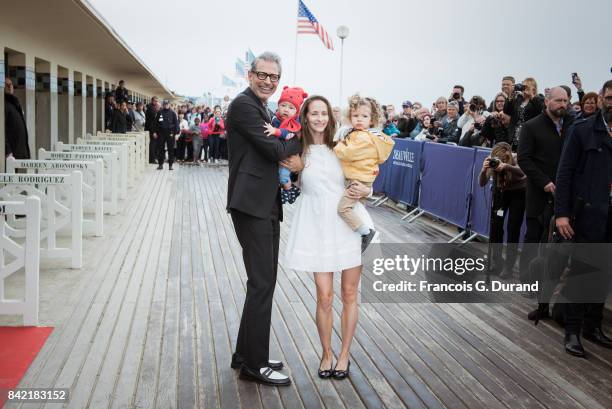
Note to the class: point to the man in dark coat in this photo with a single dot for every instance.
(109, 107)
(253, 199)
(539, 151)
(150, 114)
(407, 121)
(121, 94)
(16, 140)
(165, 127)
(583, 208)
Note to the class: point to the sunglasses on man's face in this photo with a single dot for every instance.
(263, 75)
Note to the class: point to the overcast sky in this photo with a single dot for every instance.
(396, 50)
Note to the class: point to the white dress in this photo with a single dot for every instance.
(319, 240)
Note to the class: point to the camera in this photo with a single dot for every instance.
(473, 107)
(493, 163)
(478, 126)
(456, 95)
(519, 88)
(493, 121)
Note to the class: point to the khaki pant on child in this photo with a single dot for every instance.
(346, 205)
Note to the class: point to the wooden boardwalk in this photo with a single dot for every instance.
(151, 320)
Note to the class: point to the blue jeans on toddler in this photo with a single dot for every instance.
(284, 175)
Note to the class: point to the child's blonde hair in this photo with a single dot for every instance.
(356, 101)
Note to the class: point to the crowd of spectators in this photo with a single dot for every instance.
(457, 120)
(201, 135)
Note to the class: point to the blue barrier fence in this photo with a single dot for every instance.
(439, 179)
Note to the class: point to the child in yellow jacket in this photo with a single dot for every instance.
(360, 153)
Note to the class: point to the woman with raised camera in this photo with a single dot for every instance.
(476, 113)
(522, 105)
(427, 131)
(509, 183)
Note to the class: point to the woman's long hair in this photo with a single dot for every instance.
(503, 152)
(330, 129)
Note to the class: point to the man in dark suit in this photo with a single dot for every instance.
(150, 114)
(584, 213)
(253, 199)
(539, 150)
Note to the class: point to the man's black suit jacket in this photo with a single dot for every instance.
(253, 157)
(539, 151)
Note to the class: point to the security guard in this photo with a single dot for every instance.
(165, 126)
(583, 210)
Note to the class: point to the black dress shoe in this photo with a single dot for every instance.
(325, 373)
(237, 362)
(160, 167)
(598, 337)
(540, 313)
(573, 346)
(264, 376)
(338, 374)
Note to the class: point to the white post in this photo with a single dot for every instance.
(99, 199)
(76, 215)
(32, 260)
(296, 46)
(26, 256)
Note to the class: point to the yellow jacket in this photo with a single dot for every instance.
(361, 152)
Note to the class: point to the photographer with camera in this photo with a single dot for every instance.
(457, 96)
(523, 104)
(497, 128)
(427, 131)
(475, 113)
(509, 184)
(583, 211)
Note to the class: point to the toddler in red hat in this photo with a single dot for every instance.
(285, 124)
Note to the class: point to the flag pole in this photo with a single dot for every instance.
(296, 45)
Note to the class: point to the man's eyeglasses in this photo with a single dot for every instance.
(263, 75)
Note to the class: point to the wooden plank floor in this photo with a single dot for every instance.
(151, 320)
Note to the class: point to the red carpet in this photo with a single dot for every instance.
(18, 348)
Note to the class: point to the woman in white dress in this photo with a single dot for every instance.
(319, 240)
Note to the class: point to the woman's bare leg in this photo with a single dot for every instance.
(324, 317)
(350, 312)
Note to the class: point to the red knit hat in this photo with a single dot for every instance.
(294, 95)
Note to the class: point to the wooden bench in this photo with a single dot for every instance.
(139, 139)
(121, 151)
(21, 254)
(111, 172)
(130, 148)
(93, 185)
(55, 215)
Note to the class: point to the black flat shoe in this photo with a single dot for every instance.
(598, 337)
(325, 373)
(338, 374)
(573, 346)
(264, 376)
(237, 362)
(540, 313)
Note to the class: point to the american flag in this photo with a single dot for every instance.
(308, 24)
